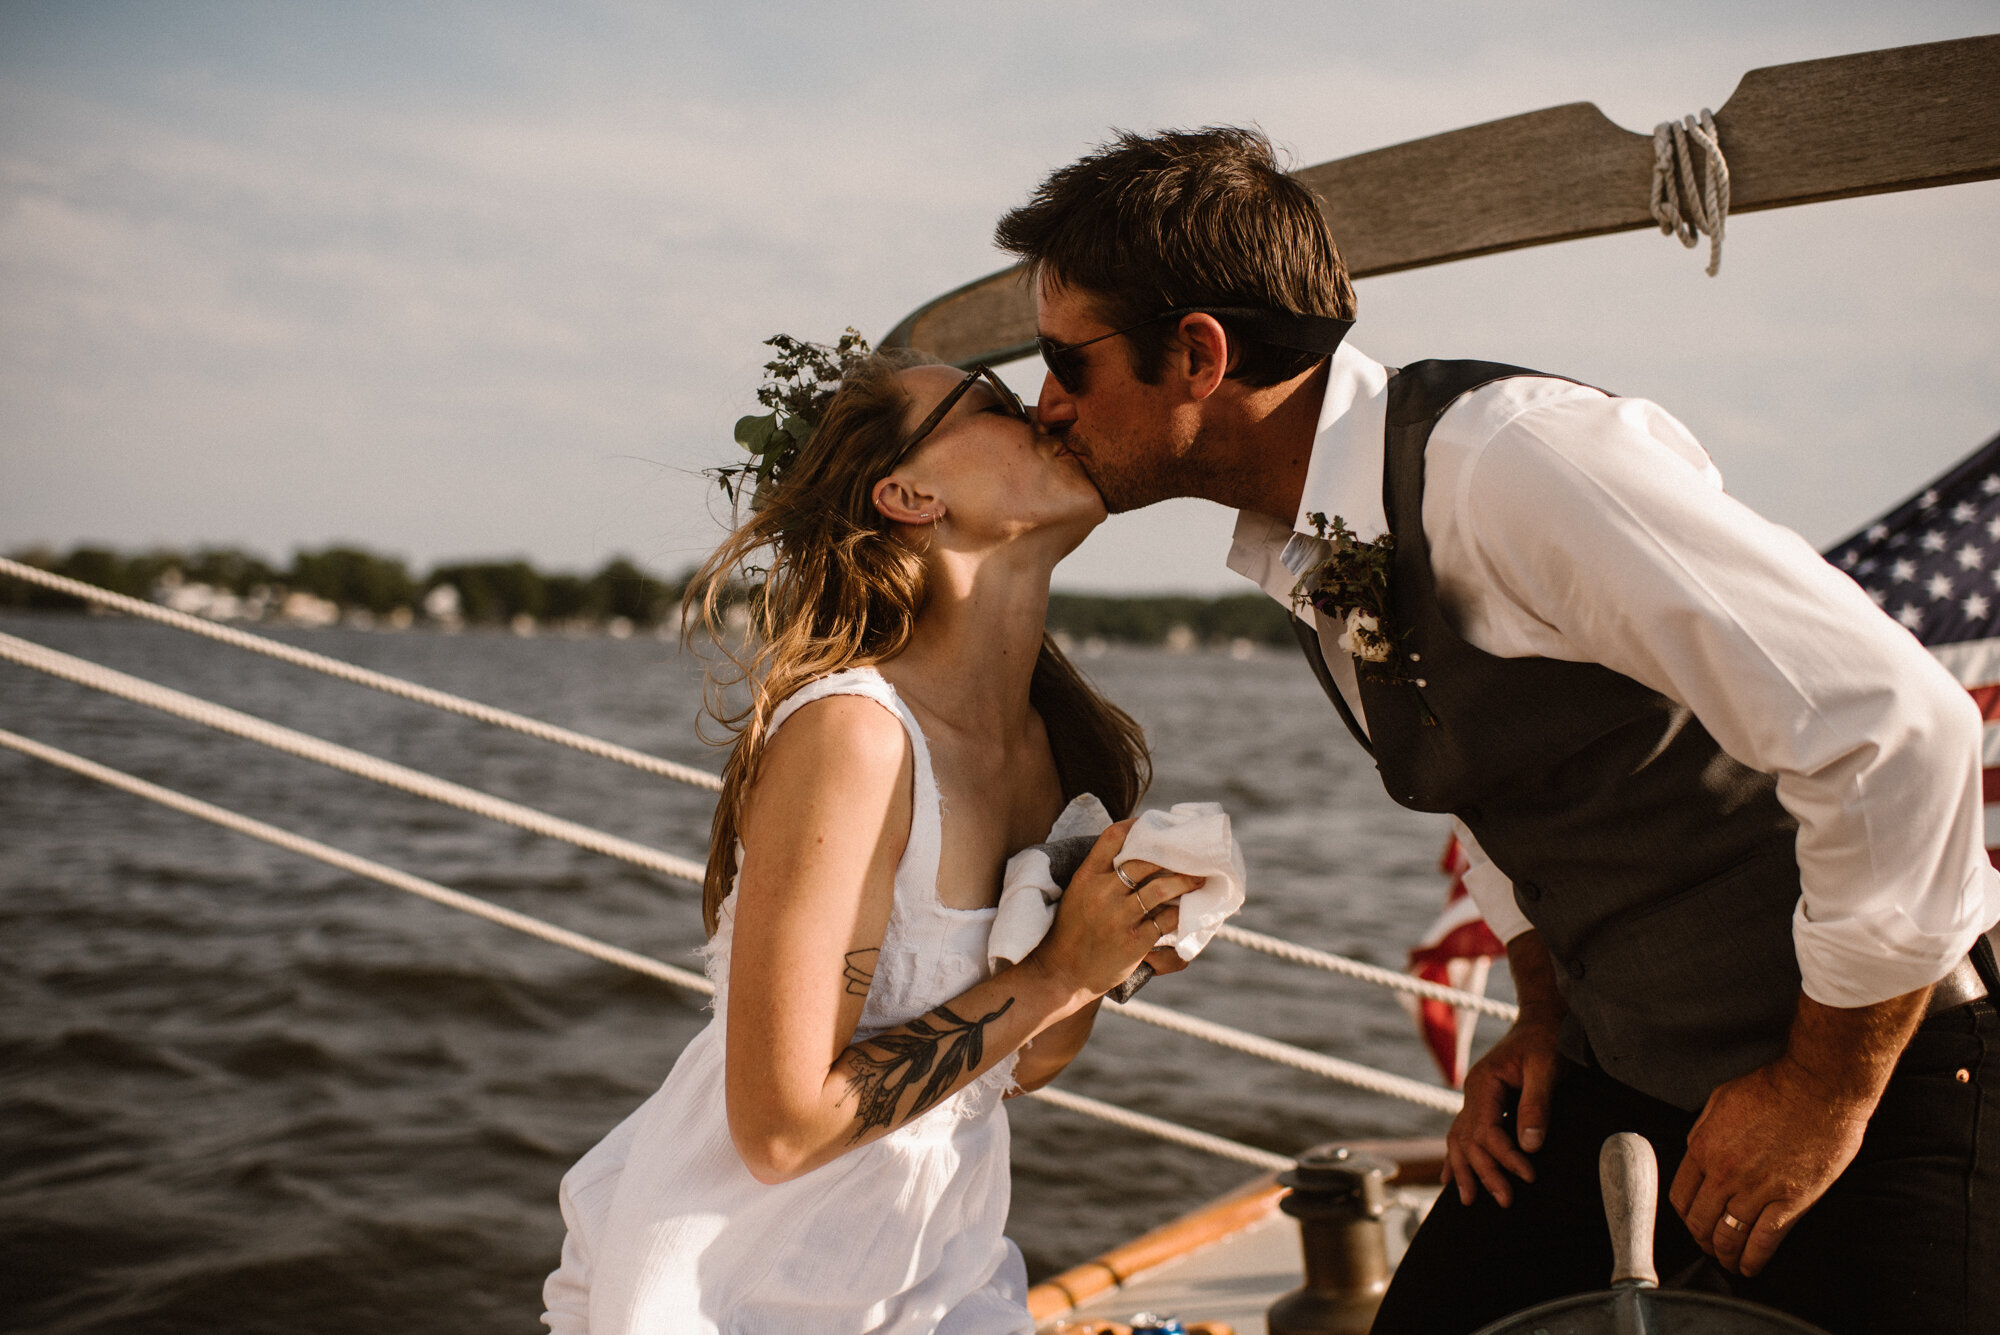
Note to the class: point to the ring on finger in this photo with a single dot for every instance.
(1129, 883)
(1731, 1221)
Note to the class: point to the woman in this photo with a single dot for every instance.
(830, 1153)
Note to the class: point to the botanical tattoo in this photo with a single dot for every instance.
(860, 972)
(941, 1046)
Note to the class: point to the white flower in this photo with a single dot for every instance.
(1363, 637)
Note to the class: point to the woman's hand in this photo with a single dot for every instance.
(1104, 927)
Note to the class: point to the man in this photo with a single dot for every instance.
(1725, 813)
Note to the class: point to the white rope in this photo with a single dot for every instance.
(1680, 207)
(361, 676)
(1270, 945)
(1168, 1131)
(1367, 973)
(561, 936)
(238, 724)
(360, 866)
(1285, 1054)
(112, 682)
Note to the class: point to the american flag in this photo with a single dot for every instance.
(1933, 563)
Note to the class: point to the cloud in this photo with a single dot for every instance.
(489, 278)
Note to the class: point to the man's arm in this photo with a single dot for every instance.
(1521, 1069)
(1770, 1143)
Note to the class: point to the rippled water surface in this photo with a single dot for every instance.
(241, 1091)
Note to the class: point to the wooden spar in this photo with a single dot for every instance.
(1866, 124)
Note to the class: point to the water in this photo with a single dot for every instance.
(241, 1091)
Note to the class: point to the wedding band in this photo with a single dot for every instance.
(1130, 884)
(1142, 905)
(1733, 1222)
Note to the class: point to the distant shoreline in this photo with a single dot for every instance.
(352, 587)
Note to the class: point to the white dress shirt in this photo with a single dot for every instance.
(1564, 523)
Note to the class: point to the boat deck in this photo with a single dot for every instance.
(1226, 1262)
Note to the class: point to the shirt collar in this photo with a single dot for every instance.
(1343, 477)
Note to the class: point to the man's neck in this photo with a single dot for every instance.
(1266, 447)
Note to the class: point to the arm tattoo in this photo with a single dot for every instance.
(860, 971)
(940, 1045)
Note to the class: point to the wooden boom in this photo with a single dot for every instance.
(1866, 124)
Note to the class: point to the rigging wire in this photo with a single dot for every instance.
(85, 673)
(361, 676)
(562, 936)
(220, 717)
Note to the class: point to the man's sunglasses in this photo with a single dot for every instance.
(1010, 402)
(1303, 333)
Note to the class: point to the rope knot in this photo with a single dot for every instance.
(1680, 206)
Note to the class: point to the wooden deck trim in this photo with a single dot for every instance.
(1904, 118)
(1417, 1161)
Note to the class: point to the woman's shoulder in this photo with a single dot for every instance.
(852, 714)
(849, 686)
(841, 753)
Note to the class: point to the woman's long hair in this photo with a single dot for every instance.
(839, 591)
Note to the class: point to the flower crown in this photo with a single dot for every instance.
(798, 384)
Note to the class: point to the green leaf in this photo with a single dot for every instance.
(754, 433)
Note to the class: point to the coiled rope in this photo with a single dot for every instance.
(1680, 207)
(361, 676)
(223, 719)
(562, 936)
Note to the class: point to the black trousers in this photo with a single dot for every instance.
(1906, 1240)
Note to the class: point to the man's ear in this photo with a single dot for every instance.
(1204, 353)
(901, 503)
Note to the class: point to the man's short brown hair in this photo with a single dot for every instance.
(1148, 223)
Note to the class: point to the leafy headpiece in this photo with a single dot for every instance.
(799, 382)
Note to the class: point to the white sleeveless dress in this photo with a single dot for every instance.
(670, 1235)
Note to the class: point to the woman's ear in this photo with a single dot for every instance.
(901, 503)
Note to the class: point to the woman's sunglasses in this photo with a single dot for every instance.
(1010, 402)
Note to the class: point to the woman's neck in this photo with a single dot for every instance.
(972, 654)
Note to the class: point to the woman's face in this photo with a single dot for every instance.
(994, 475)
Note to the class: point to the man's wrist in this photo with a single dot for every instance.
(1840, 1058)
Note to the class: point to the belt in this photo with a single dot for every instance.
(1957, 988)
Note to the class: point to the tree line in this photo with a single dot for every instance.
(345, 581)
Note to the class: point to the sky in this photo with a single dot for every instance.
(480, 280)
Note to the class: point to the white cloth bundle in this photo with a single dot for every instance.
(1192, 838)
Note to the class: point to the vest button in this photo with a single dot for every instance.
(1416, 658)
(1530, 891)
(1576, 968)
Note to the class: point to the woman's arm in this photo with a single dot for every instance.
(1056, 1047)
(824, 827)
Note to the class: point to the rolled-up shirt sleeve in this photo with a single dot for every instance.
(1594, 529)
(1490, 888)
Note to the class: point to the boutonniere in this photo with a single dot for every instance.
(1350, 584)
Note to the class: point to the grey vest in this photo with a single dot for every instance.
(1660, 873)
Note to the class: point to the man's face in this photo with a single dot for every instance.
(1121, 430)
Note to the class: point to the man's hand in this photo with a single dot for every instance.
(1521, 1069)
(1769, 1144)
(1478, 1148)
